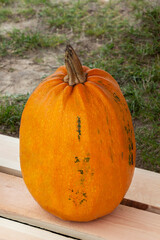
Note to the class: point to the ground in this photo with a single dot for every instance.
(21, 76)
(27, 71)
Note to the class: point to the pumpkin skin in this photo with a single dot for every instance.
(77, 145)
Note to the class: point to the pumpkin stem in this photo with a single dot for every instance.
(74, 67)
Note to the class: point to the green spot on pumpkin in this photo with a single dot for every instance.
(131, 158)
(82, 200)
(76, 160)
(122, 155)
(116, 98)
(132, 145)
(99, 81)
(127, 129)
(107, 119)
(81, 171)
(85, 195)
(86, 159)
(79, 127)
(98, 131)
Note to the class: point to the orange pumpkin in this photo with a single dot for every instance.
(77, 144)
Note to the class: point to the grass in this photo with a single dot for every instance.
(148, 146)
(26, 13)
(6, 2)
(10, 113)
(5, 14)
(130, 52)
(121, 37)
(71, 18)
(37, 2)
(18, 42)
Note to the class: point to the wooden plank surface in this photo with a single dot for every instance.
(9, 155)
(144, 192)
(123, 223)
(11, 230)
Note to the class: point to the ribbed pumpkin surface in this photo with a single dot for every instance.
(77, 145)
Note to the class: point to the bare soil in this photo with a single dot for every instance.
(21, 74)
(10, 26)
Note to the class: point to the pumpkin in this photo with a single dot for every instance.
(77, 143)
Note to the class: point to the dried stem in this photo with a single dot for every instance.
(74, 67)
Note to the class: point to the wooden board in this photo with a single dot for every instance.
(144, 192)
(9, 155)
(123, 223)
(11, 230)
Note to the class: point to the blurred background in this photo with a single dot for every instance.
(121, 37)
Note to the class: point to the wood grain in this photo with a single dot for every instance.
(144, 192)
(123, 223)
(11, 230)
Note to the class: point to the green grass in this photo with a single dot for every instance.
(121, 37)
(27, 2)
(148, 146)
(10, 113)
(18, 42)
(67, 16)
(5, 14)
(37, 2)
(6, 2)
(130, 52)
(26, 13)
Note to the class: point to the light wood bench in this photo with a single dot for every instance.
(21, 218)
